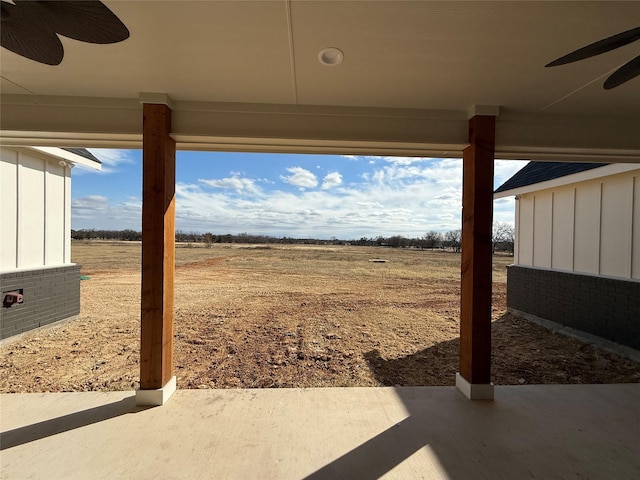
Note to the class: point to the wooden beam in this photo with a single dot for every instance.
(477, 217)
(158, 247)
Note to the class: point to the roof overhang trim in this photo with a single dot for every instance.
(117, 123)
(65, 156)
(604, 171)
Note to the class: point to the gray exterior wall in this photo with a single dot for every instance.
(606, 307)
(50, 295)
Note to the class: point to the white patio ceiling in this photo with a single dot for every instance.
(245, 76)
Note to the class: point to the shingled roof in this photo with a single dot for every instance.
(537, 172)
(83, 152)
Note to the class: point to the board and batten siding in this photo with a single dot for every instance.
(590, 227)
(35, 210)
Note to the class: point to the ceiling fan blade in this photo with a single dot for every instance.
(601, 46)
(623, 74)
(23, 33)
(87, 21)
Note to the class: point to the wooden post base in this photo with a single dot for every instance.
(474, 391)
(156, 397)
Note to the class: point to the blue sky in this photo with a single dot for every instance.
(319, 196)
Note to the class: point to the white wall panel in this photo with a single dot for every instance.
(587, 228)
(35, 210)
(31, 195)
(54, 214)
(615, 227)
(67, 216)
(525, 226)
(562, 242)
(542, 230)
(635, 245)
(8, 208)
(516, 240)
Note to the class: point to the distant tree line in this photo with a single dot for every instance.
(503, 238)
(92, 234)
(431, 240)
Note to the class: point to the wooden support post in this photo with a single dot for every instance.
(158, 254)
(477, 216)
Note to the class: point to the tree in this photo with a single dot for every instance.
(503, 237)
(453, 238)
(397, 241)
(208, 239)
(432, 239)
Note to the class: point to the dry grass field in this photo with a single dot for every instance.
(292, 316)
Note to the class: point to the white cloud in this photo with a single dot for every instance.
(503, 170)
(504, 210)
(98, 211)
(390, 198)
(111, 159)
(240, 185)
(376, 205)
(332, 179)
(94, 202)
(402, 160)
(447, 196)
(405, 200)
(300, 177)
(441, 172)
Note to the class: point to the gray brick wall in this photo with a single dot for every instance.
(50, 295)
(608, 308)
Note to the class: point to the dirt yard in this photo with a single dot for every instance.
(292, 316)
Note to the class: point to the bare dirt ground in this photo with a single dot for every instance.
(292, 316)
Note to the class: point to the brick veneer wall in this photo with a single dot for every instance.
(608, 308)
(50, 294)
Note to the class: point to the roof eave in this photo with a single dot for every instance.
(599, 172)
(67, 156)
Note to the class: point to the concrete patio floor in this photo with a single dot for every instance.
(550, 431)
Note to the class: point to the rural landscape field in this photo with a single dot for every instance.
(254, 316)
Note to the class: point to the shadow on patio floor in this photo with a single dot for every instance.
(65, 423)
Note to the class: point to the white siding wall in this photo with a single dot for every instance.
(525, 231)
(67, 216)
(615, 227)
(516, 242)
(54, 226)
(8, 209)
(562, 246)
(635, 252)
(588, 227)
(542, 222)
(34, 210)
(31, 219)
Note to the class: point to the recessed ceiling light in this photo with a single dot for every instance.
(330, 56)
